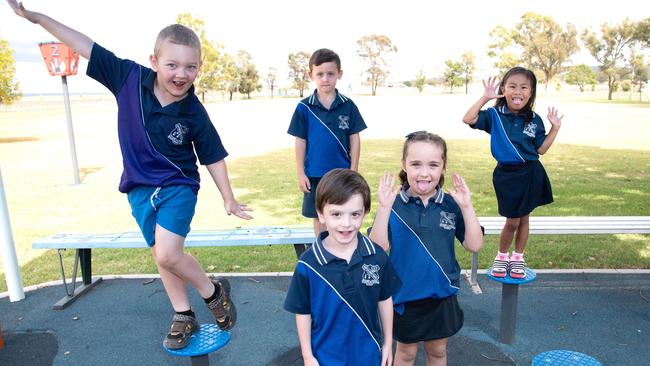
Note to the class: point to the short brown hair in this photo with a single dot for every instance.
(338, 186)
(177, 34)
(322, 56)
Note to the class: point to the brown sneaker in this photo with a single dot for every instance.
(222, 307)
(182, 328)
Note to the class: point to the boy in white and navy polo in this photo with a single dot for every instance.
(326, 126)
(342, 286)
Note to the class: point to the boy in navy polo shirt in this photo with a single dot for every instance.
(326, 126)
(342, 286)
(160, 125)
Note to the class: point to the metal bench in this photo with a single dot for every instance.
(299, 237)
(567, 225)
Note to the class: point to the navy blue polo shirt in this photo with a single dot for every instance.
(422, 246)
(158, 143)
(327, 132)
(513, 141)
(342, 299)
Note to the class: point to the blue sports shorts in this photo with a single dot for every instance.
(170, 207)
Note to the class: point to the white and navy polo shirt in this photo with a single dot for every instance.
(342, 299)
(327, 132)
(513, 141)
(157, 143)
(422, 246)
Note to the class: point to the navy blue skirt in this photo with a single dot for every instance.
(428, 319)
(521, 188)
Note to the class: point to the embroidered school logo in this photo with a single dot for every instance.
(370, 274)
(344, 122)
(448, 220)
(530, 129)
(178, 134)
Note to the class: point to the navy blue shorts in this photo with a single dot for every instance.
(521, 188)
(309, 199)
(170, 207)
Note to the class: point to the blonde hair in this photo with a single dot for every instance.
(177, 34)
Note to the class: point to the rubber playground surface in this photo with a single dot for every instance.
(122, 322)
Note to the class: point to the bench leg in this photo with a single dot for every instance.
(201, 360)
(508, 321)
(69, 299)
(83, 256)
(472, 277)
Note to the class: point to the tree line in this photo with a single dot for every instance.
(536, 42)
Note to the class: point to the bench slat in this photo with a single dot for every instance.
(236, 237)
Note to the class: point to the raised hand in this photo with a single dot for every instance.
(19, 9)
(237, 209)
(387, 191)
(491, 88)
(553, 117)
(461, 194)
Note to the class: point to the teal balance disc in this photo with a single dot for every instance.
(561, 357)
(208, 338)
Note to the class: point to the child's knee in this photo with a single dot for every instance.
(406, 352)
(167, 258)
(436, 350)
(512, 224)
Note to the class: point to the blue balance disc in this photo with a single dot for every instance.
(530, 277)
(208, 339)
(564, 358)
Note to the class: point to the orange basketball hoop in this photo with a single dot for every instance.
(60, 59)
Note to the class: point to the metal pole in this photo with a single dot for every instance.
(508, 323)
(68, 115)
(8, 251)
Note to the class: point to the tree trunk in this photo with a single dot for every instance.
(230, 95)
(203, 97)
(610, 85)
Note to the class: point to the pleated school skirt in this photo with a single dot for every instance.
(521, 188)
(428, 319)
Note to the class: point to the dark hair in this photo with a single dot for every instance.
(177, 34)
(424, 136)
(322, 56)
(527, 110)
(338, 185)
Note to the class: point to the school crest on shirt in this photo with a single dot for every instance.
(370, 274)
(448, 220)
(530, 129)
(344, 122)
(177, 136)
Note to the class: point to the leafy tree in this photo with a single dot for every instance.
(248, 75)
(453, 75)
(469, 65)
(208, 78)
(271, 76)
(643, 32)
(611, 48)
(229, 75)
(541, 43)
(9, 90)
(640, 72)
(374, 50)
(420, 80)
(299, 71)
(581, 75)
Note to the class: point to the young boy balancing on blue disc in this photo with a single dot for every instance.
(161, 124)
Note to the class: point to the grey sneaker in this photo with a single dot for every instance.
(181, 330)
(222, 307)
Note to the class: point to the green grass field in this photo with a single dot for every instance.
(586, 180)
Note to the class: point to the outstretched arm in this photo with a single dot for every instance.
(79, 41)
(491, 92)
(219, 174)
(462, 196)
(556, 123)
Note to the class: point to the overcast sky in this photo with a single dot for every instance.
(426, 33)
